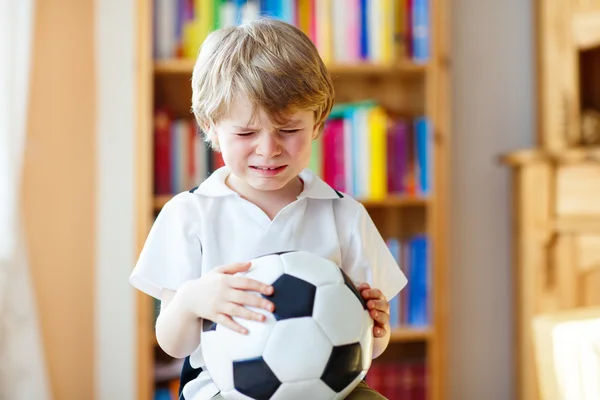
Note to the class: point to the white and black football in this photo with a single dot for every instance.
(317, 344)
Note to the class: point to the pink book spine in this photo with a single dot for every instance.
(353, 30)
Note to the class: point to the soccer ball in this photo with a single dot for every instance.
(317, 344)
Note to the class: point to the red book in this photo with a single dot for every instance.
(162, 152)
(333, 154)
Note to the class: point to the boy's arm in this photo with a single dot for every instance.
(381, 343)
(177, 329)
(217, 296)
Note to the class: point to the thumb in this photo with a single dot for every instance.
(234, 268)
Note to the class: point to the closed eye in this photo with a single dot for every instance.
(244, 134)
(290, 131)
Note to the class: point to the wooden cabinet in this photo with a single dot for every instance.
(568, 50)
(556, 191)
(556, 243)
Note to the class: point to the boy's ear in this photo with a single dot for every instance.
(315, 132)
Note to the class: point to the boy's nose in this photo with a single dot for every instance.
(268, 146)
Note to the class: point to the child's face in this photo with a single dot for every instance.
(261, 153)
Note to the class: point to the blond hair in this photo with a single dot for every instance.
(273, 63)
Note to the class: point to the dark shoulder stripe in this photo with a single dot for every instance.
(193, 189)
(341, 196)
(188, 373)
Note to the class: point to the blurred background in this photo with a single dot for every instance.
(491, 121)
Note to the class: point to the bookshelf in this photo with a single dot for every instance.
(404, 88)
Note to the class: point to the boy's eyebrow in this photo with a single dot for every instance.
(290, 122)
(245, 128)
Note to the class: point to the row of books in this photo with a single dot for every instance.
(369, 154)
(411, 307)
(398, 380)
(362, 151)
(344, 31)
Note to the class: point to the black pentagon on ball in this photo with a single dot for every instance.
(292, 297)
(208, 325)
(255, 379)
(344, 365)
(354, 289)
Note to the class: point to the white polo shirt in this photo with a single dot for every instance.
(213, 225)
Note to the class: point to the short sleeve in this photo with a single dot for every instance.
(172, 253)
(369, 259)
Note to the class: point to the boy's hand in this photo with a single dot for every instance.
(379, 308)
(220, 295)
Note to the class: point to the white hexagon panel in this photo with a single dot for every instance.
(339, 313)
(366, 341)
(297, 350)
(251, 344)
(265, 269)
(311, 268)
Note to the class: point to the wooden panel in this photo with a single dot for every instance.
(143, 179)
(586, 29)
(587, 5)
(531, 242)
(59, 191)
(578, 190)
(558, 94)
(562, 276)
(588, 251)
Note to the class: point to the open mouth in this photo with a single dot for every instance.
(268, 170)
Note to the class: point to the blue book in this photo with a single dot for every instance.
(288, 14)
(364, 33)
(418, 296)
(423, 144)
(420, 22)
(395, 303)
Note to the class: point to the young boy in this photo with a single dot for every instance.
(261, 95)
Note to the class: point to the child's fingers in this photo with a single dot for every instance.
(380, 317)
(373, 294)
(249, 299)
(364, 286)
(227, 321)
(380, 305)
(235, 310)
(233, 268)
(243, 283)
(378, 331)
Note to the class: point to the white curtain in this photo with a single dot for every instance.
(22, 365)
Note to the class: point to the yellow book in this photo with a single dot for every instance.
(206, 15)
(323, 29)
(304, 11)
(191, 44)
(378, 121)
(387, 30)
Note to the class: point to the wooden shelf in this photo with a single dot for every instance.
(185, 66)
(401, 335)
(390, 201)
(568, 155)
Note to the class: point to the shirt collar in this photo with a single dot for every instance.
(314, 186)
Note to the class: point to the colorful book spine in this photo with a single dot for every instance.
(344, 31)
